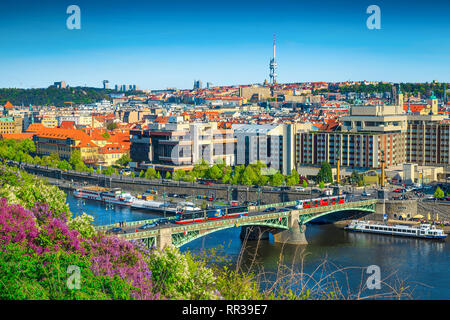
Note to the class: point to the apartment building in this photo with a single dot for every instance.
(273, 145)
(368, 136)
(10, 125)
(63, 141)
(179, 144)
(428, 140)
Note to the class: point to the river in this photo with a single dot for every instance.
(422, 265)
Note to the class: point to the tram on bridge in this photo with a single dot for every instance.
(237, 211)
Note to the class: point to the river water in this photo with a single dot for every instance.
(422, 266)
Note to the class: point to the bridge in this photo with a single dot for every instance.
(287, 226)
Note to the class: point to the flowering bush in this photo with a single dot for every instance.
(21, 188)
(112, 256)
(83, 224)
(36, 277)
(178, 276)
(18, 225)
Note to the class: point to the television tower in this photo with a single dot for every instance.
(273, 66)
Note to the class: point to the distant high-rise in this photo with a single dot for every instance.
(105, 84)
(197, 84)
(60, 85)
(273, 66)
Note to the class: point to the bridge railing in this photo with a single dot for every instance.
(130, 223)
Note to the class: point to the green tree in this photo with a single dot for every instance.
(304, 183)
(150, 173)
(325, 174)
(321, 184)
(439, 193)
(277, 179)
(168, 176)
(111, 126)
(124, 160)
(214, 173)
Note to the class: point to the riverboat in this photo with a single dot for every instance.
(422, 231)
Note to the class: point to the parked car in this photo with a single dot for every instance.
(300, 189)
(365, 194)
(147, 226)
(206, 183)
(270, 209)
(276, 189)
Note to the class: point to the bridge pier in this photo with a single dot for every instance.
(164, 238)
(295, 234)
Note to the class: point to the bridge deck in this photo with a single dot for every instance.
(255, 217)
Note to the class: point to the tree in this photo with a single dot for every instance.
(64, 165)
(277, 179)
(305, 184)
(124, 160)
(141, 174)
(321, 184)
(109, 171)
(168, 175)
(214, 173)
(76, 161)
(158, 175)
(325, 174)
(111, 126)
(150, 173)
(439, 193)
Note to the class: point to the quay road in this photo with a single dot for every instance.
(218, 191)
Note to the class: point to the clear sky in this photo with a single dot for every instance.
(161, 44)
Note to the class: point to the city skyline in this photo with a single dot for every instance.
(156, 46)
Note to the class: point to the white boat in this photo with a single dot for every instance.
(90, 193)
(146, 204)
(423, 231)
(115, 196)
(187, 206)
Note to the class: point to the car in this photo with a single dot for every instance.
(147, 226)
(270, 209)
(206, 183)
(115, 230)
(300, 189)
(283, 210)
(398, 190)
(162, 221)
(211, 198)
(365, 194)
(276, 189)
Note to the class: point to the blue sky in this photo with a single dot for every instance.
(160, 44)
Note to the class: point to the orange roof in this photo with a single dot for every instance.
(112, 148)
(17, 136)
(414, 107)
(67, 125)
(35, 127)
(8, 105)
